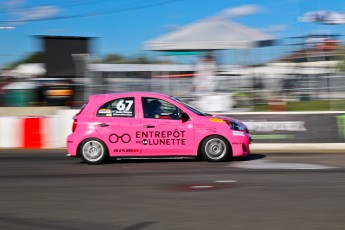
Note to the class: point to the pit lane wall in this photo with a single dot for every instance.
(270, 130)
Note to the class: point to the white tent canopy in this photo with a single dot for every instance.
(209, 34)
(28, 70)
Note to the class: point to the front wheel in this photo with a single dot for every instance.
(93, 151)
(215, 149)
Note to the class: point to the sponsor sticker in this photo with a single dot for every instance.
(217, 120)
(169, 137)
(106, 111)
(126, 150)
(238, 133)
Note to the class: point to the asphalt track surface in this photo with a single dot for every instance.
(47, 190)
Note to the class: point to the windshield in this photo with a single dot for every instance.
(191, 108)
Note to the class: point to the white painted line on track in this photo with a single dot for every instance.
(226, 181)
(201, 186)
(266, 164)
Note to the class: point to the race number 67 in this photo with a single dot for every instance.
(124, 105)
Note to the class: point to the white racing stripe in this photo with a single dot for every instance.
(266, 164)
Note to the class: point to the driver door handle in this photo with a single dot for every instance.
(103, 125)
(149, 126)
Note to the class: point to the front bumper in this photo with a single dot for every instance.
(240, 146)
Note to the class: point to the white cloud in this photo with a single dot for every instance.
(241, 11)
(35, 13)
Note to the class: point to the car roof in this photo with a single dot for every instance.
(129, 94)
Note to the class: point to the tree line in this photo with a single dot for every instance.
(38, 57)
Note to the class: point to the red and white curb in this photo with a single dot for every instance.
(36, 132)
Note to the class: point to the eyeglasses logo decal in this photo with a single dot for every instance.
(125, 138)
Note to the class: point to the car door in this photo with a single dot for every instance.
(162, 131)
(117, 125)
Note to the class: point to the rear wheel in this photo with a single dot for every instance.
(93, 151)
(215, 149)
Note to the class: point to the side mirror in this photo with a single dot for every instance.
(184, 116)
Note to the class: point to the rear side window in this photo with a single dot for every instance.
(122, 107)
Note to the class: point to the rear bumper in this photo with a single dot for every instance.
(72, 146)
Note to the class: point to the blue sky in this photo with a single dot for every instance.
(123, 26)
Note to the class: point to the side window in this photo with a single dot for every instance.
(159, 109)
(123, 107)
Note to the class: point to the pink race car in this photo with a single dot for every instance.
(144, 124)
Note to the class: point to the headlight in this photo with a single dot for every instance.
(237, 126)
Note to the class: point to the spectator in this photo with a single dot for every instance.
(204, 82)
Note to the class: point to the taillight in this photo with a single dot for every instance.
(74, 126)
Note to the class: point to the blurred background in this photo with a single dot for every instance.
(222, 57)
(277, 66)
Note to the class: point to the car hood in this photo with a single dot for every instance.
(226, 118)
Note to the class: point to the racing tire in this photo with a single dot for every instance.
(93, 151)
(215, 149)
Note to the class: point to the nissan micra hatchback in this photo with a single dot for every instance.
(144, 124)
